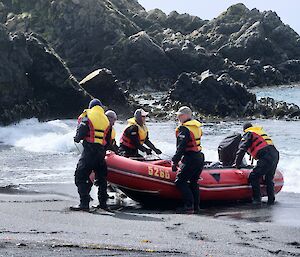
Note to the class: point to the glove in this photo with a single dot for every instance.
(174, 167)
(157, 151)
(76, 140)
(148, 151)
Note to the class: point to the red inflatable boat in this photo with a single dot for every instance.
(145, 181)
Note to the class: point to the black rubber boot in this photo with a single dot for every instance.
(80, 208)
(271, 200)
(256, 201)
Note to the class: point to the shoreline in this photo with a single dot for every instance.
(38, 221)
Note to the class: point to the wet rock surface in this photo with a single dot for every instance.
(209, 94)
(103, 85)
(268, 108)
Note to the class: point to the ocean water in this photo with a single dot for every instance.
(35, 152)
(290, 94)
(44, 152)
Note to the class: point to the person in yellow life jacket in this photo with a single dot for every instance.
(111, 143)
(260, 146)
(188, 151)
(135, 136)
(92, 128)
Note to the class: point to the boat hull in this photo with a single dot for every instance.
(154, 180)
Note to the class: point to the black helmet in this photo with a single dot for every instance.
(95, 102)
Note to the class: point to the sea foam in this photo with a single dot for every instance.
(53, 136)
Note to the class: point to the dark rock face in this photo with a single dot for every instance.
(240, 33)
(3, 12)
(139, 58)
(144, 48)
(34, 82)
(183, 23)
(269, 108)
(78, 30)
(253, 74)
(211, 95)
(102, 84)
(290, 70)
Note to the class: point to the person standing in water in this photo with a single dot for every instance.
(93, 127)
(135, 136)
(188, 151)
(260, 146)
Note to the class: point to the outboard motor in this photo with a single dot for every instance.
(227, 149)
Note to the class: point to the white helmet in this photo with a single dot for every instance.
(111, 114)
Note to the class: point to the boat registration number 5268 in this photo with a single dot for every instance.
(158, 172)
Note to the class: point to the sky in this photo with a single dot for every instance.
(287, 10)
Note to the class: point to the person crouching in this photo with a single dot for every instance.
(135, 136)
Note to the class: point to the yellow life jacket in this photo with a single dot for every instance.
(113, 134)
(194, 127)
(98, 125)
(142, 133)
(260, 140)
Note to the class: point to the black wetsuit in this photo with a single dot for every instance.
(111, 143)
(91, 159)
(268, 158)
(192, 166)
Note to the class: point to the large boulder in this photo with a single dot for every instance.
(103, 84)
(34, 81)
(212, 95)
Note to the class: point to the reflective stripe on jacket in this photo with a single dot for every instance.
(194, 127)
(260, 140)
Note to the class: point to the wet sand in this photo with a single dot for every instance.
(35, 221)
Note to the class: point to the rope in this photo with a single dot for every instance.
(77, 148)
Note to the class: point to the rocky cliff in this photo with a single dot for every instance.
(156, 47)
(34, 82)
(149, 51)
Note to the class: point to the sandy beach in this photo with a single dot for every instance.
(35, 221)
